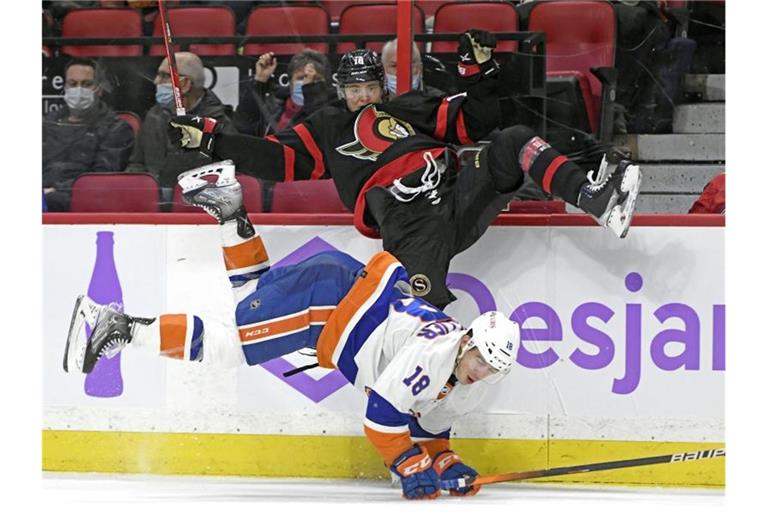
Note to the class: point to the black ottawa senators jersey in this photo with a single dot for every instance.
(370, 147)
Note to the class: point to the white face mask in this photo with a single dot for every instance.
(79, 98)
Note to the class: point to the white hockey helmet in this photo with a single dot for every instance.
(496, 338)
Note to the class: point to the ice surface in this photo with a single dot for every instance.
(214, 493)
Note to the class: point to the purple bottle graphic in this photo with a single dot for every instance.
(105, 380)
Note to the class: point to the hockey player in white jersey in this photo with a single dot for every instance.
(420, 369)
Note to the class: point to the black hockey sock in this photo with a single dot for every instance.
(552, 171)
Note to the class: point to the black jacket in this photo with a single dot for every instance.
(100, 143)
(261, 105)
(155, 154)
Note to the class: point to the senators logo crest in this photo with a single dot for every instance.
(374, 132)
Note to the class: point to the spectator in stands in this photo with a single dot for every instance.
(389, 60)
(266, 108)
(83, 136)
(712, 198)
(153, 152)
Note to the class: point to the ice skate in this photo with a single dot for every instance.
(222, 199)
(110, 332)
(610, 196)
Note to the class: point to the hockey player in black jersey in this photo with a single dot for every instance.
(394, 163)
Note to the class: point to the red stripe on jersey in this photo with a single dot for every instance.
(554, 165)
(442, 120)
(309, 142)
(397, 168)
(289, 155)
(461, 129)
(289, 158)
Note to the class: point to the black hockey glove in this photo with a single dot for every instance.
(193, 132)
(476, 54)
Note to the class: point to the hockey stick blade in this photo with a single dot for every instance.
(458, 483)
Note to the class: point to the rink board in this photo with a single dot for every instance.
(624, 353)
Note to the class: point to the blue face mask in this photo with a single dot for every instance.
(164, 94)
(297, 95)
(392, 83)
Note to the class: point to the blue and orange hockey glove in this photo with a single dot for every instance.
(419, 480)
(448, 465)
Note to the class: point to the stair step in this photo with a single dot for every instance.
(656, 203)
(699, 118)
(711, 87)
(677, 147)
(665, 203)
(678, 178)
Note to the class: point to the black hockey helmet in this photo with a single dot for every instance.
(359, 66)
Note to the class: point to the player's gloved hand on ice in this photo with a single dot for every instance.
(193, 132)
(476, 53)
(418, 479)
(448, 465)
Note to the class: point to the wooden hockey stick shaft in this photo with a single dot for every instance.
(171, 56)
(458, 483)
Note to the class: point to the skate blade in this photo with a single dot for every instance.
(621, 215)
(76, 336)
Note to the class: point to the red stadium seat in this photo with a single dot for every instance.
(252, 196)
(286, 20)
(334, 7)
(490, 16)
(431, 6)
(198, 21)
(580, 34)
(115, 192)
(106, 23)
(374, 19)
(132, 119)
(313, 196)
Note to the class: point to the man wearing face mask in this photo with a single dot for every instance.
(264, 109)
(389, 60)
(153, 152)
(84, 136)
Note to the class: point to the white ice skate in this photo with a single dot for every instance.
(221, 199)
(610, 196)
(111, 330)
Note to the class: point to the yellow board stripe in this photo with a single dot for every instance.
(354, 457)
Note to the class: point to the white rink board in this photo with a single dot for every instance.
(178, 268)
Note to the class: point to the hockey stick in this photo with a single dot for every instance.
(171, 56)
(458, 483)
